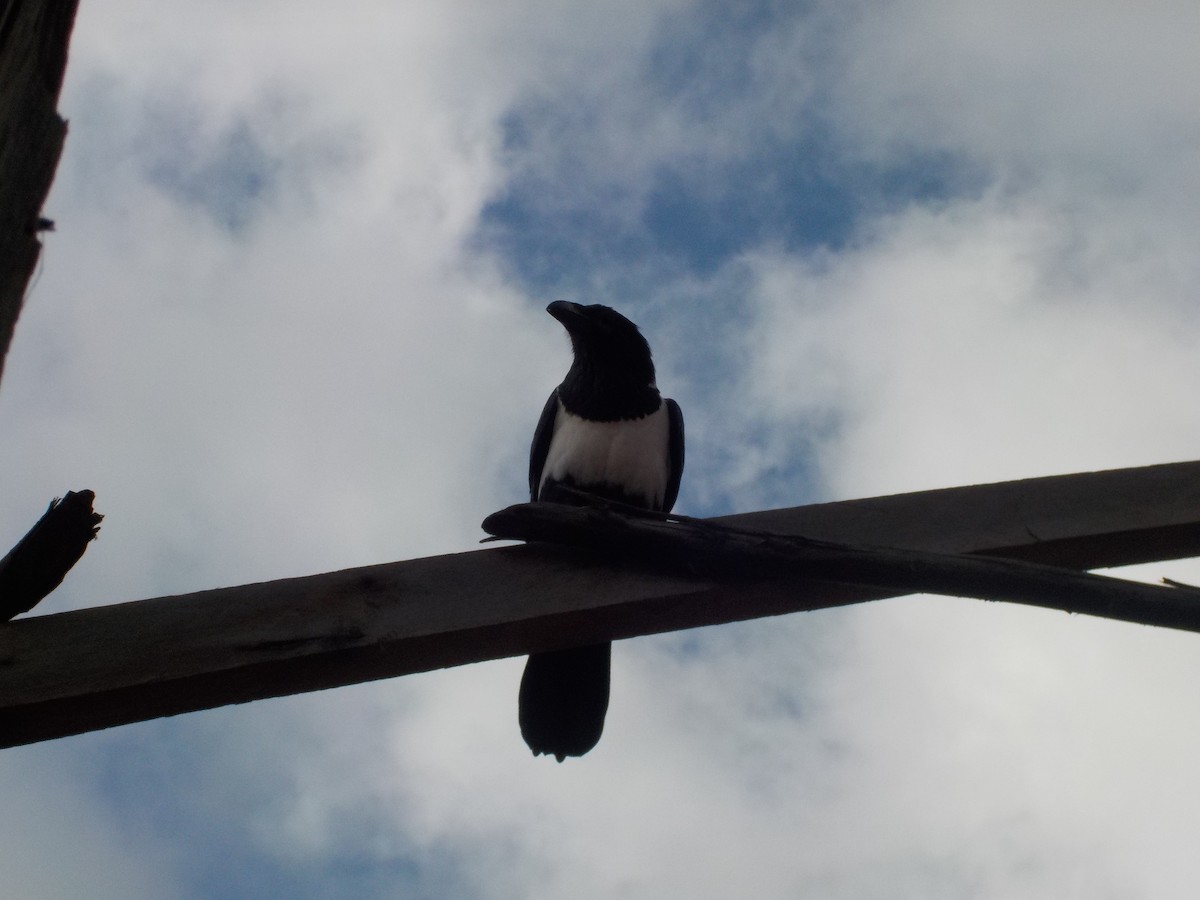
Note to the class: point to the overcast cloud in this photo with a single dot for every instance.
(292, 321)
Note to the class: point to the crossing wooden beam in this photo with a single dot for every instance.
(94, 668)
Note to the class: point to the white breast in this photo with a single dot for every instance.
(629, 454)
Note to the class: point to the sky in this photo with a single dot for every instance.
(292, 321)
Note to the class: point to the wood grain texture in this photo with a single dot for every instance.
(94, 668)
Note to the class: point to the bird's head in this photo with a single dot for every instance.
(605, 343)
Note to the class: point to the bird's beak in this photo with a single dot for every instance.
(565, 312)
(574, 318)
(578, 321)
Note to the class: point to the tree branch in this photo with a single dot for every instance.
(701, 548)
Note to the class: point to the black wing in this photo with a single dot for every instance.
(541, 443)
(675, 454)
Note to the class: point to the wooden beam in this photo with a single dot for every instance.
(34, 37)
(1088, 520)
(88, 669)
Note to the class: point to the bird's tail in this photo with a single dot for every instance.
(564, 698)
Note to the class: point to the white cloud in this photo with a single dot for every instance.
(1090, 90)
(972, 344)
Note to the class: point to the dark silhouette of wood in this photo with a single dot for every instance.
(34, 38)
(695, 547)
(79, 671)
(40, 560)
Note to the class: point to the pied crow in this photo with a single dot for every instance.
(605, 430)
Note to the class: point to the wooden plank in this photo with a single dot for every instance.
(1087, 520)
(34, 37)
(83, 670)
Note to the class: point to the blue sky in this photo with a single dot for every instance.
(292, 320)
